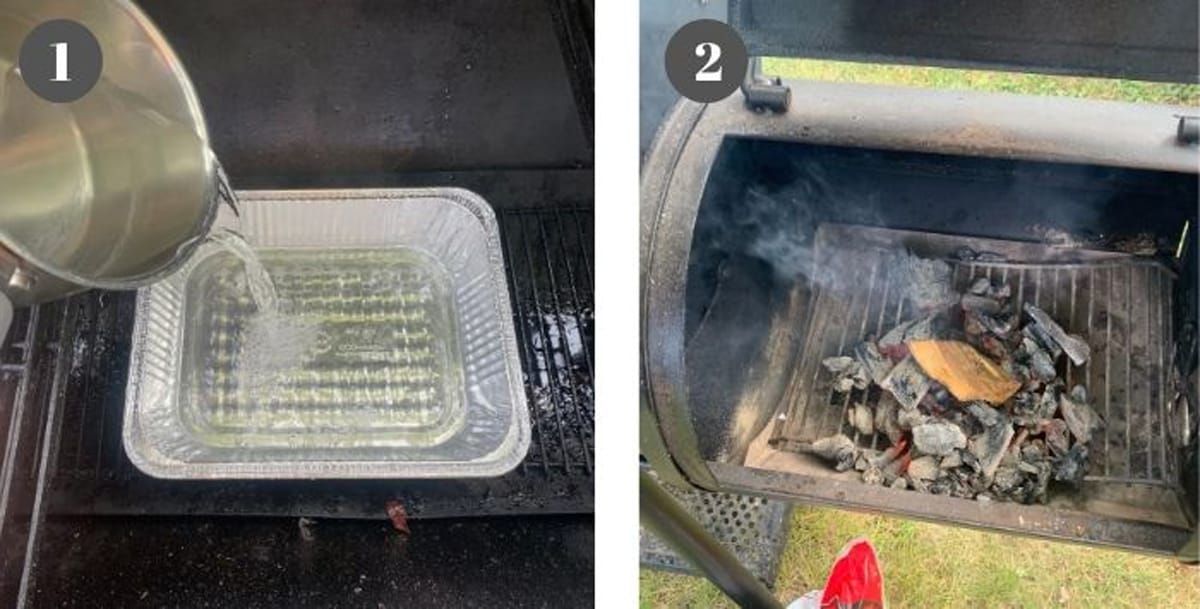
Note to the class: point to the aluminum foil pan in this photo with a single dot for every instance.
(392, 355)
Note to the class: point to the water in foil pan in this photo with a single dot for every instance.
(391, 354)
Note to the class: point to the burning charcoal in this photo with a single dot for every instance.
(979, 304)
(1040, 363)
(986, 414)
(990, 447)
(1048, 404)
(870, 359)
(1076, 348)
(838, 449)
(938, 439)
(1022, 373)
(866, 458)
(1038, 335)
(885, 417)
(909, 418)
(926, 283)
(907, 382)
(923, 468)
(899, 484)
(1081, 419)
(951, 461)
(895, 336)
(873, 476)
(917, 484)
(1032, 452)
(1007, 480)
(861, 419)
(1000, 324)
(1001, 292)
(1072, 467)
(981, 287)
(917, 329)
(1056, 435)
(970, 460)
(1026, 409)
(841, 364)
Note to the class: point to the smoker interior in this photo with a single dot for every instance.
(357, 94)
(757, 273)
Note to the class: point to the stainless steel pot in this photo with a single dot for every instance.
(113, 190)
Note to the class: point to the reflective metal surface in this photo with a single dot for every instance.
(114, 189)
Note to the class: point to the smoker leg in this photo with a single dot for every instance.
(667, 519)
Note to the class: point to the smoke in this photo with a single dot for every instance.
(776, 223)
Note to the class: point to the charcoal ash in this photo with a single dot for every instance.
(928, 284)
(862, 419)
(1075, 347)
(938, 438)
(1079, 416)
(991, 446)
(837, 449)
(907, 382)
(849, 374)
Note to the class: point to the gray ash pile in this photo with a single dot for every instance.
(969, 396)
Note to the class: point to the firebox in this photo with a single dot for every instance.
(779, 246)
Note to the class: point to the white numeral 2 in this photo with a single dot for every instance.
(711, 72)
(60, 62)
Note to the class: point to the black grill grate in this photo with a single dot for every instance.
(554, 314)
(548, 256)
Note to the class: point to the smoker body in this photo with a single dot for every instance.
(346, 96)
(723, 335)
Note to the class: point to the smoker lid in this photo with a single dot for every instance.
(1137, 39)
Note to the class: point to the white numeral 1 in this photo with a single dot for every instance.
(60, 62)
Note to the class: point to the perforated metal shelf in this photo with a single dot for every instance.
(753, 528)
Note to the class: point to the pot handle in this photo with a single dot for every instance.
(6, 315)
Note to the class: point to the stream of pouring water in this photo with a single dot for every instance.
(227, 234)
(258, 280)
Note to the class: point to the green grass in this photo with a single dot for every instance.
(929, 565)
(1011, 82)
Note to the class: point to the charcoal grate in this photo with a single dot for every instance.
(548, 256)
(753, 528)
(1122, 305)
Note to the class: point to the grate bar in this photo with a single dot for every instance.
(528, 355)
(564, 343)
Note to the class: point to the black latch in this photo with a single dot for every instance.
(765, 92)
(1188, 131)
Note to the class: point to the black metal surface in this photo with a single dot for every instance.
(663, 515)
(272, 562)
(574, 21)
(548, 257)
(1145, 40)
(305, 88)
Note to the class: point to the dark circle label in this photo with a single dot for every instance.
(706, 60)
(60, 60)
